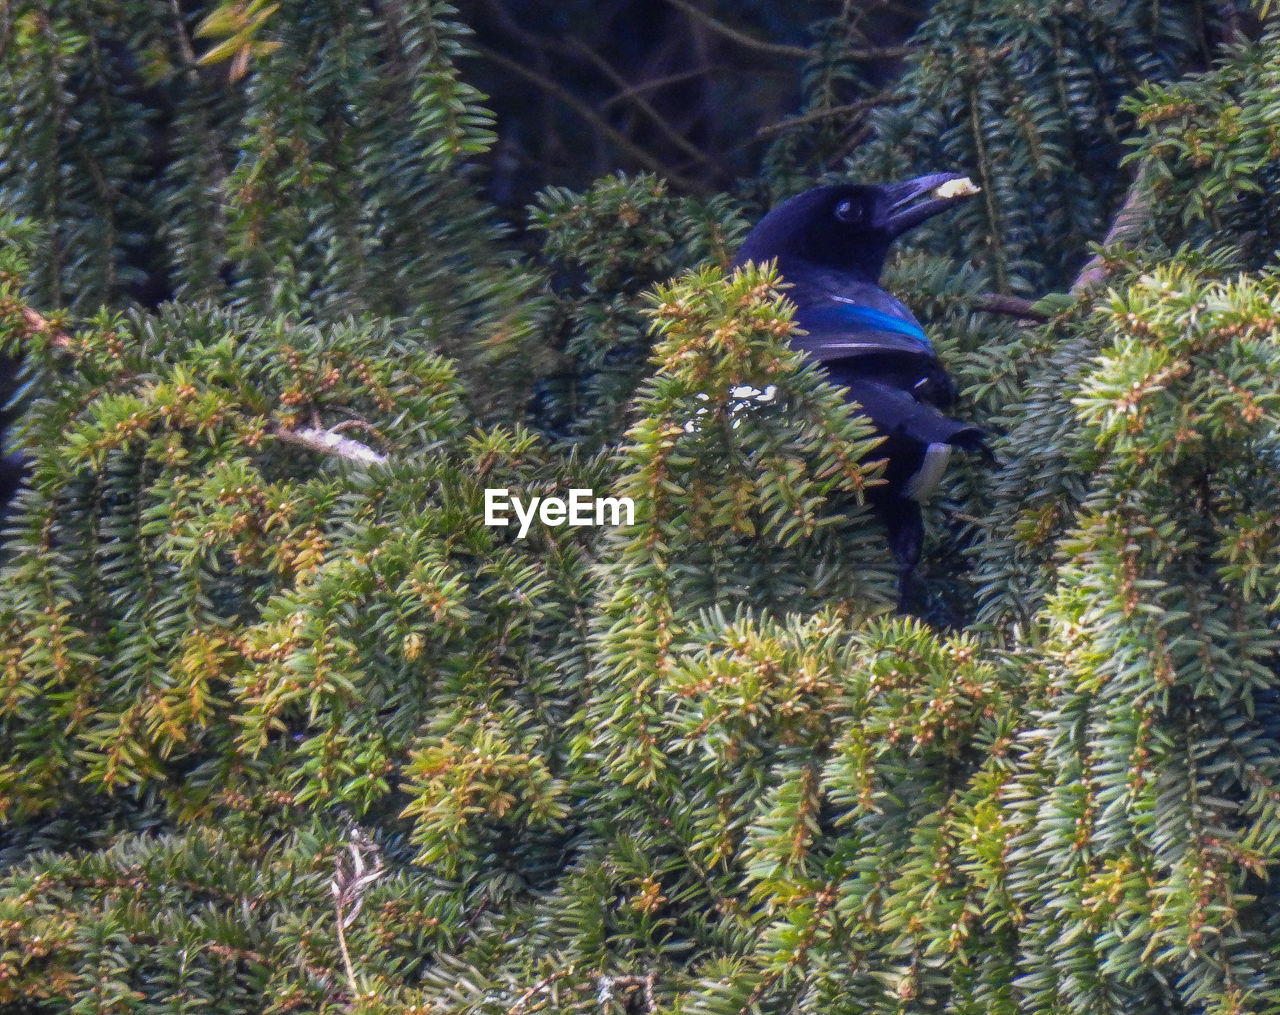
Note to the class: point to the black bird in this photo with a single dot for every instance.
(830, 244)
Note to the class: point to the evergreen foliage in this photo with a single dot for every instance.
(608, 247)
(284, 725)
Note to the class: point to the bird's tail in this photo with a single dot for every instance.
(974, 440)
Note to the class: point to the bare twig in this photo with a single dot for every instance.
(356, 424)
(1012, 306)
(36, 324)
(829, 113)
(538, 987)
(607, 988)
(642, 104)
(606, 130)
(532, 42)
(741, 38)
(469, 927)
(351, 879)
(1127, 224)
(778, 49)
(329, 442)
(639, 88)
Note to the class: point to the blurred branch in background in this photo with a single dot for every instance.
(693, 90)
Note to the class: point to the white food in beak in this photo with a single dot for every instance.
(962, 187)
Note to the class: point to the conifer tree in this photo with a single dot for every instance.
(285, 725)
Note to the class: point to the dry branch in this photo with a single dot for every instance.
(828, 113)
(329, 442)
(586, 112)
(38, 325)
(1010, 306)
(1127, 225)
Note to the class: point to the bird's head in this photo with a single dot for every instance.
(848, 227)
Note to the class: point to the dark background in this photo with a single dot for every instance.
(693, 91)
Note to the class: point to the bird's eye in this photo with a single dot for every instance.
(849, 211)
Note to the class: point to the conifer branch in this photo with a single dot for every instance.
(236, 954)
(314, 438)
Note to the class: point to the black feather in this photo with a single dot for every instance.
(830, 244)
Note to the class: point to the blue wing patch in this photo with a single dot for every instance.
(851, 314)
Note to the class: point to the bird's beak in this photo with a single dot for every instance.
(911, 202)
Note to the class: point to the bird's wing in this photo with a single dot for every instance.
(851, 321)
(918, 438)
(896, 413)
